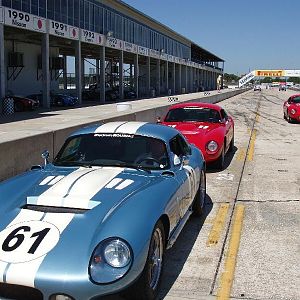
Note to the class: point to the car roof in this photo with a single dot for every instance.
(196, 104)
(154, 130)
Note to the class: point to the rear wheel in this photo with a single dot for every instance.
(200, 196)
(146, 287)
(18, 106)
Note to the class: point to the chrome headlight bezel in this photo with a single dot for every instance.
(103, 271)
(293, 111)
(212, 146)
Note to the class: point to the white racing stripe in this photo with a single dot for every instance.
(89, 185)
(130, 127)
(113, 183)
(78, 188)
(46, 180)
(109, 127)
(24, 273)
(124, 184)
(56, 179)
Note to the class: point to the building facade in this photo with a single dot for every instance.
(126, 49)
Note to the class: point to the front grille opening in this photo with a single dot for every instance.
(18, 292)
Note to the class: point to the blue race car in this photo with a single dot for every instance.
(97, 221)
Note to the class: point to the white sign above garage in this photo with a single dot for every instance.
(63, 30)
(23, 20)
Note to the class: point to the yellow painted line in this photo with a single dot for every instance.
(241, 154)
(257, 117)
(231, 258)
(252, 145)
(218, 226)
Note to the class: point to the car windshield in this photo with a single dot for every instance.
(113, 149)
(193, 114)
(296, 100)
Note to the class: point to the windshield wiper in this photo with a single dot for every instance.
(73, 164)
(136, 167)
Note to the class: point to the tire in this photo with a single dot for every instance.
(231, 146)
(220, 163)
(199, 200)
(289, 119)
(147, 286)
(18, 106)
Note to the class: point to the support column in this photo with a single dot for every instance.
(173, 86)
(191, 84)
(148, 76)
(65, 76)
(136, 74)
(167, 76)
(157, 81)
(98, 68)
(46, 71)
(78, 71)
(186, 79)
(82, 73)
(180, 78)
(121, 75)
(102, 75)
(2, 68)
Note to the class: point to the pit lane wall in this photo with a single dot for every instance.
(22, 149)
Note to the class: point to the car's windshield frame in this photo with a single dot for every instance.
(184, 117)
(64, 160)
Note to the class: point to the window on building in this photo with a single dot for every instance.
(76, 13)
(6, 3)
(16, 4)
(64, 11)
(50, 9)
(34, 7)
(42, 8)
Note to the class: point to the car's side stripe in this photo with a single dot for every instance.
(130, 127)
(109, 127)
(15, 273)
(124, 184)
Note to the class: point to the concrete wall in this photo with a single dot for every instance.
(19, 154)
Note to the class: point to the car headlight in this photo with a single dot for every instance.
(212, 146)
(110, 261)
(293, 111)
(117, 254)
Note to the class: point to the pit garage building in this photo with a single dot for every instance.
(44, 42)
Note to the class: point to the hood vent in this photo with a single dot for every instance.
(54, 209)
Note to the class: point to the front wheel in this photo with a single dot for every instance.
(200, 196)
(147, 286)
(220, 163)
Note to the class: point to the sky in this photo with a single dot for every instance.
(248, 35)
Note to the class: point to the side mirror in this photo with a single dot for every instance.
(45, 156)
(177, 160)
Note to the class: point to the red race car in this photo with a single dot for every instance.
(291, 108)
(207, 126)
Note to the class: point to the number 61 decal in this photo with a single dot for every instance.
(27, 241)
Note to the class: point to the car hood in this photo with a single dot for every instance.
(78, 188)
(61, 209)
(194, 128)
